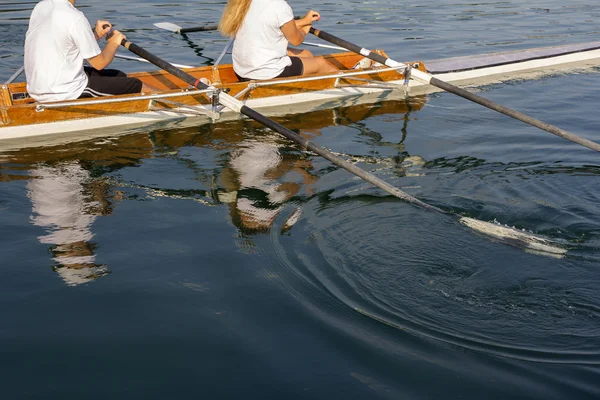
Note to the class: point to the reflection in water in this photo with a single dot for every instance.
(199, 51)
(68, 193)
(254, 183)
(256, 175)
(64, 204)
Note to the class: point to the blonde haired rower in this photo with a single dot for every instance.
(262, 31)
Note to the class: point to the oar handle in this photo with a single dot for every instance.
(111, 33)
(349, 46)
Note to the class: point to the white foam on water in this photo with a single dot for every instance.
(528, 241)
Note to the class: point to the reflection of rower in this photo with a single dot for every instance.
(255, 183)
(67, 199)
(62, 206)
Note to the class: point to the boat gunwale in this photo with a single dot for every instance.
(596, 46)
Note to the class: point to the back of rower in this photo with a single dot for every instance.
(262, 30)
(58, 40)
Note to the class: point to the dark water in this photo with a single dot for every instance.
(223, 262)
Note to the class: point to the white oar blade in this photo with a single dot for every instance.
(168, 26)
(527, 241)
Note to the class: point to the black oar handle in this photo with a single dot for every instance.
(162, 64)
(111, 33)
(350, 46)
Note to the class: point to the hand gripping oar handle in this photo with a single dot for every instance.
(430, 79)
(236, 105)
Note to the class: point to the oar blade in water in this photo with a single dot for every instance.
(168, 26)
(527, 241)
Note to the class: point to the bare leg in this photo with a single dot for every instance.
(317, 65)
(312, 64)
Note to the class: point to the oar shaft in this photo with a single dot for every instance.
(237, 105)
(199, 29)
(15, 75)
(162, 64)
(335, 159)
(430, 79)
(514, 114)
(350, 46)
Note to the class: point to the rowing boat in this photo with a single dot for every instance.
(172, 102)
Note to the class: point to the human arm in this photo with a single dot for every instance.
(310, 17)
(296, 30)
(103, 59)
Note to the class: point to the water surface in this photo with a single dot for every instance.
(222, 261)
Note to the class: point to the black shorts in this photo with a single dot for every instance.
(109, 82)
(296, 68)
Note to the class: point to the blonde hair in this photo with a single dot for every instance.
(233, 16)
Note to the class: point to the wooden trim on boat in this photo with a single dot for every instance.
(5, 97)
(23, 110)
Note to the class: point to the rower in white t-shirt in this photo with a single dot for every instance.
(59, 38)
(262, 30)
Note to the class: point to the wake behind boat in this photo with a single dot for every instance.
(173, 101)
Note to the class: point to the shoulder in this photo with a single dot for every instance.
(66, 12)
(78, 22)
(281, 8)
(75, 13)
(280, 4)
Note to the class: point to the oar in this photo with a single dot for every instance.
(178, 29)
(169, 26)
(15, 75)
(430, 79)
(509, 235)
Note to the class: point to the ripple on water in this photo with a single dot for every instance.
(399, 266)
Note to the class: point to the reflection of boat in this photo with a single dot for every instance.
(257, 179)
(171, 100)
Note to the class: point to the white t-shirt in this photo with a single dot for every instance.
(260, 49)
(58, 40)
